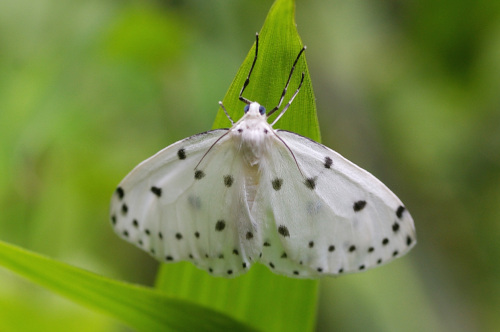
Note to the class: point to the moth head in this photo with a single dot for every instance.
(254, 109)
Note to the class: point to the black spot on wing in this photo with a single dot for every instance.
(198, 174)
(135, 223)
(277, 183)
(228, 180)
(385, 241)
(328, 162)
(283, 230)
(395, 227)
(220, 225)
(409, 241)
(359, 205)
(371, 249)
(311, 244)
(169, 258)
(178, 236)
(399, 211)
(113, 219)
(124, 208)
(156, 191)
(352, 248)
(249, 235)
(331, 248)
(197, 235)
(181, 154)
(310, 182)
(120, 192)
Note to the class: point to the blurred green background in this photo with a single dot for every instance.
(409, 90)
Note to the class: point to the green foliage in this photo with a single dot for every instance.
(140, 307)
(407, 90)
(279, 44)
(256, 298)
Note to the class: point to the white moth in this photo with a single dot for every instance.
(228, 198)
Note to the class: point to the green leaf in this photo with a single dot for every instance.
(142, 308)
(188, 299)
(262, 299)
(279, 45)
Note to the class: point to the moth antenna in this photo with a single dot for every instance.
(210, 148)
(290, 102)
(243, 99)
(291, 152)
(287, 83)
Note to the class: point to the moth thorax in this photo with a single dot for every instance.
(252, 138)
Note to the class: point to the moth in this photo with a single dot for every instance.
(228, 198)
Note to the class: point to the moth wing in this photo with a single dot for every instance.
(176, 208)
(324, 215)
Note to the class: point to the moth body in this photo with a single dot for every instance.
(252, 134)
(228, 198)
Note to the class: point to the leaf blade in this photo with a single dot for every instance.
(142, 308)
(265, 300)
(279, 45)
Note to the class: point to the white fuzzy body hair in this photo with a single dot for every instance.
(252, 134)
